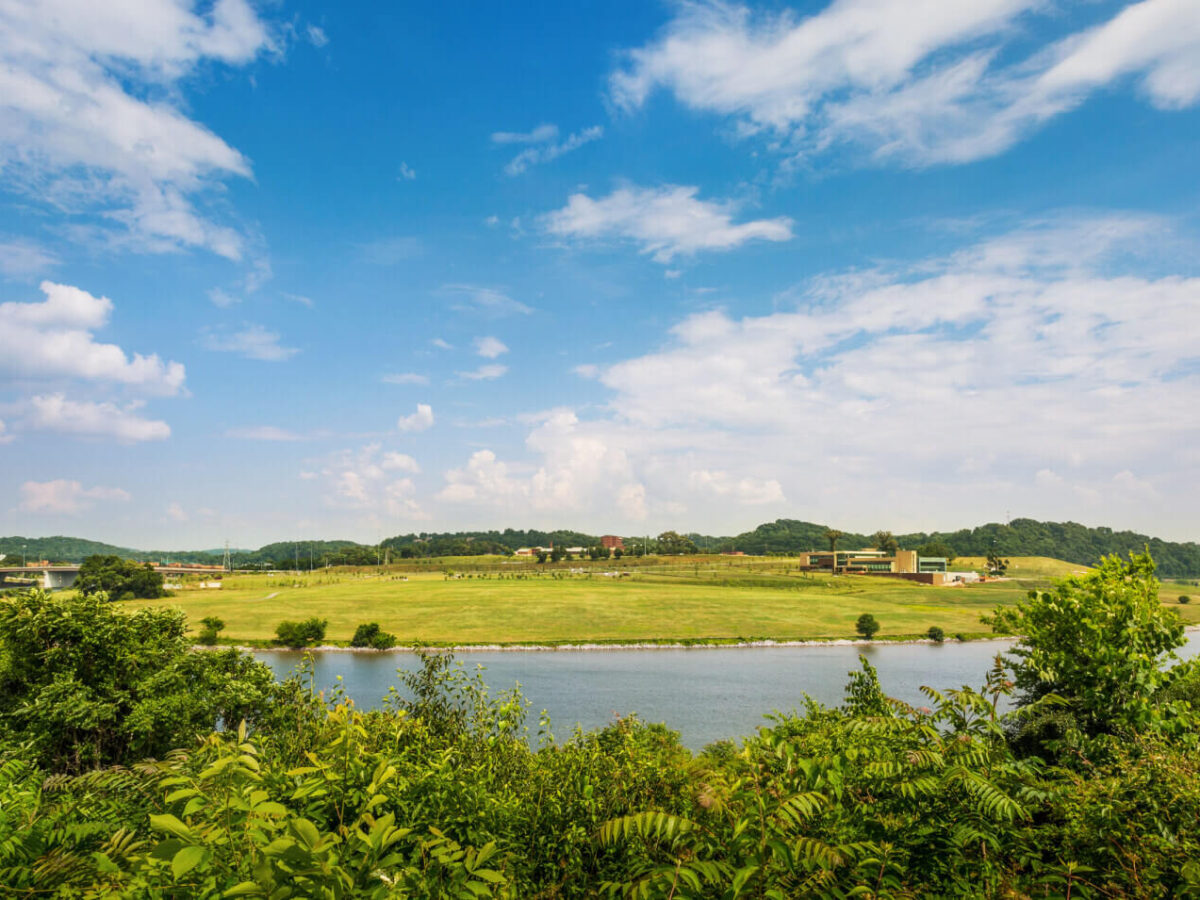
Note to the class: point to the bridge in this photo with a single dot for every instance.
(56, 577)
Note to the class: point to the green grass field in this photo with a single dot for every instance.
(701, 598)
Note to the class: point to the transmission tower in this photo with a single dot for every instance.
(227, 562)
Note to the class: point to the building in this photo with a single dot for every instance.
(903, 563)
(612, 542)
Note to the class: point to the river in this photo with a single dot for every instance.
(704, 693)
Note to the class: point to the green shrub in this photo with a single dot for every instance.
(936, 634)
(1184, 598)
(210, 626)
(369, 635)
(301, 634)
(866, 626)
(84, 684)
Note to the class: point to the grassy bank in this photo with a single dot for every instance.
(698, 599)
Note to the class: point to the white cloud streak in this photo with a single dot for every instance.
(547, 152)
(64, 497)
(914, 82)
(251, 342)
(55, 413)
(86, 117)
(666, 222)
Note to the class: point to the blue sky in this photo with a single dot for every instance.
(289, 270)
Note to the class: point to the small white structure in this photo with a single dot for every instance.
(962, 577)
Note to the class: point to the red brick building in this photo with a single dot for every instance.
(612, 542)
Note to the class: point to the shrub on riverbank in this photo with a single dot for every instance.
(370, 635)
(301, 634)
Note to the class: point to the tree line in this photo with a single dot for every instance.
(1021, 537)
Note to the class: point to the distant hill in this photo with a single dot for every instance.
(1064, 540)
(1068, 541)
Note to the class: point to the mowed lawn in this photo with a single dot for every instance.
(433, 609)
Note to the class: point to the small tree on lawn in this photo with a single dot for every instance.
(866, 626)
(209, 627)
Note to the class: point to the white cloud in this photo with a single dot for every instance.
(743, 490)
(54, 412)
(421, 420)
(914, 81)
(176, 512)
(223, 299)
(407, 172)
(1036, 370)
(484, 373)
(484, 300)
(399, 462)
(666, 222)
(63, 497)
(490, 347)
(90, 120)
(539, 135)
(53, 339)
(405, 378)
(547, 151)
(441, 344)
(366, 480)
(263, 433)
(316, 35)
(252, 342)
(298, 298)
(579, 471)
(22, 258)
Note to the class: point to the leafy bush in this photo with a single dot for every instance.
(210, 626)
(119, 578)
(1096, 643)
(370, 635)
(301, 634)
(866, 626)
(83, 684)
(935, 633)
(1185, 599)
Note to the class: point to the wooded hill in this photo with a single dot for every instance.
(1069, 541)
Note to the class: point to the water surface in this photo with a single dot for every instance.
(706, 694)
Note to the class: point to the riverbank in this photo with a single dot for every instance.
(715, 644)
(614, 645)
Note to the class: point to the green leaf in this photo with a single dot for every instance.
(243, 889)
(186, 860)
(306, 831)
(167, 822)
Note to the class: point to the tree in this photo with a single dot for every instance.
(120, 579)
(936, 634)
(833, 535)
(866, 626)
(886, 541)
(618, 553)
(542, 556)
(209, 628)
(557, 554)
(672, 543)
(996, 566)
(1098, 641)
(936, 549)
(301, 634)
